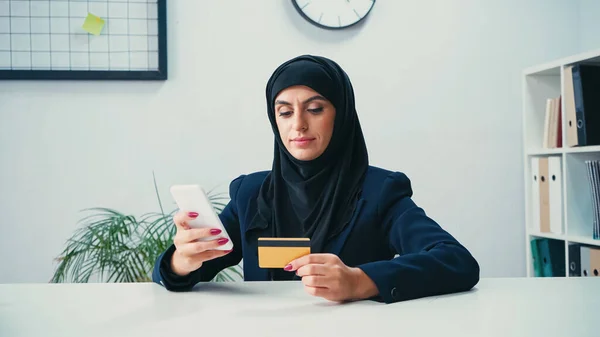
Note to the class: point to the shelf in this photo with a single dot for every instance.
(583, 240)
(549, 69)
(543, 152)
(546, 235)
(582, 149)
(567, 200)
(553, 68)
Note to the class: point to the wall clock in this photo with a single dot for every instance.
(334, 14)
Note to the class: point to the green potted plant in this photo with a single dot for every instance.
(110, 246)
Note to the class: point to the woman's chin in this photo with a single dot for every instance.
(305, 154)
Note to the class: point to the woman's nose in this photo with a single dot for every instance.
(299, 121)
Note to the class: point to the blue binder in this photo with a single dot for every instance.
(535, 258)
(549, 255)
(574, 260)
(586, 85)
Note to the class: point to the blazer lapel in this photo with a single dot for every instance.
(337, 243)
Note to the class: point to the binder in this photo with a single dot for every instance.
(544, 196)
(551, 254)
(595, 168)
(574, 260)
(585, 261)
(535, 193)
(586, 84)
(569, 107)
(593, 179)
(594, 262)
(553, 122)
(535, 258)
(547, 122)
(559, 122)
(555, 194)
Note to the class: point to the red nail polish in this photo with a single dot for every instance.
(288, 267)
(223, 241)
(193, 214)
(215, 231)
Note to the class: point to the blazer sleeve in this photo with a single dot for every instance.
(430, 261)
(164, 275)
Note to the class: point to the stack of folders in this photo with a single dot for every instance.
(552, 124)
(548, 257)
(593, 175)
(546, 187)
(581, 83)
(584, 261)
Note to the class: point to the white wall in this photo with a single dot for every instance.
(438, 93)
(589, 25)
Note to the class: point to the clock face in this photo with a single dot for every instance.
(334, 14)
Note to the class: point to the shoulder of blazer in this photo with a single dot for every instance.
(246, 186)
(385, 188)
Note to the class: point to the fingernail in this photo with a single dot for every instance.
(192, 214)
(223, 241)
(215, 231)
(288, 267)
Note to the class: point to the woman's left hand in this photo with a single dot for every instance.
(325, 275)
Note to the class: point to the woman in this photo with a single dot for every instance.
(358, 217)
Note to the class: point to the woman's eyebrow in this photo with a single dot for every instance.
(282, 102)
(314, 98)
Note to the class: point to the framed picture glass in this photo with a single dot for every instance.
(83, 39)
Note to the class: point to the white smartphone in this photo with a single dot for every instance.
(192, 198)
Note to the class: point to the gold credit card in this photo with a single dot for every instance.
(278, 252)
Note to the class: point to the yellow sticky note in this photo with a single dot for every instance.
(93, 24)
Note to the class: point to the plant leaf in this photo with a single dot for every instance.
(118, 247)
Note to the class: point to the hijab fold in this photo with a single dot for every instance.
(315, 198)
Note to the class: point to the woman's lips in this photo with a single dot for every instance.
(302, 141)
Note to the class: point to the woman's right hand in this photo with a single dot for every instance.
(191, 253)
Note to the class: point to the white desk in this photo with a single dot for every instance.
(497, 307)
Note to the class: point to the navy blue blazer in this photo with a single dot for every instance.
(386, 223)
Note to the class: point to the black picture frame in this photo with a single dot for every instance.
(137, 75)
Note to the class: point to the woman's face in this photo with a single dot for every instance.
(305, 121)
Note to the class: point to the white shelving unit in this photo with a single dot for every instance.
(540, 83)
